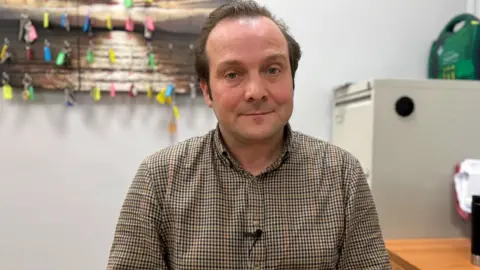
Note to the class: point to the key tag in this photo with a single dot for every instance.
(170, 89)
(29, 52)
(28, 93)
(31, 32)
(128, 3)
(69, 97)
(149, 91)
(90, 55)
(109, 23)
(150, 24)
(46, 21)
(133, 92)
(65, 22)
(161, 96)
(172, 127)
(86, 23)
(47, 54)
(96, 93)
(62, 57)
(151, 57)
(113, 89)
(129, 25)
(111, 54)
(7, 90)
(3, 52)
(175, 111)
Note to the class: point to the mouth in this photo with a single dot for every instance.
(257, 113)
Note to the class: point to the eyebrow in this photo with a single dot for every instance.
(272, 57)
(277, 56)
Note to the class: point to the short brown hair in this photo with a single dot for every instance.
(240, 8)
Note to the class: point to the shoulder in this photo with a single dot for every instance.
(324, 152)
(181, 154)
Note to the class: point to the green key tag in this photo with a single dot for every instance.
(90, 57)
(31, 93)
(61, 58)
(128, 3)
(151, 60)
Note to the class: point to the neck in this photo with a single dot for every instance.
(254, 156)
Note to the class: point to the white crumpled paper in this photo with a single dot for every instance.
(467, 183)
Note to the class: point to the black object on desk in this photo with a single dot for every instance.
(476, 230)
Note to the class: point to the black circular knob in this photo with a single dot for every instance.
(404, 106)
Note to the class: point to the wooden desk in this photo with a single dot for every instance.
(434, 254)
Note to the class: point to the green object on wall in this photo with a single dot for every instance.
(128, 3)
(151, 60)
(454, 55)
(90, 57)
(31, 92)
(60, 59)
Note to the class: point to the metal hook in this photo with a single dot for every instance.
(67, 44)
(27, 80)
(150, 47)
(46, 42)
(5, 77)
(91, 43)
(6, 41)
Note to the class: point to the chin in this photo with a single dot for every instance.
(257, 133)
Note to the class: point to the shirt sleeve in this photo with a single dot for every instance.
(137, 242)
(363, 246)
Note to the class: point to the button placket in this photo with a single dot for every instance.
(256, 222)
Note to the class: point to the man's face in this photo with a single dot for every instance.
(250, 78)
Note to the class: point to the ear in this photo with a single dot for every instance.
(205, 91)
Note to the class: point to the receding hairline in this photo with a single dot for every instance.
(240, 17)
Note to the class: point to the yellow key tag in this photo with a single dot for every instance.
(112, 56)
(7, 92)
(149, 92)
(45, 20)
(4, 51)
(175, 112)
(169, 100)
(161, 96)
(109, 22)
(97, 94)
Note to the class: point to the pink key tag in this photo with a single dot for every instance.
(113, 90)
(129, 24)
(150, 24)
(32, 33)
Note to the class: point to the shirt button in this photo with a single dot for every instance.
(257, 266)
(255, 224)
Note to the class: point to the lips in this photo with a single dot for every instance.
(257, 113)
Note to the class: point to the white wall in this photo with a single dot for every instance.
(60, 193)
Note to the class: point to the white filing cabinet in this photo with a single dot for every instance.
(408, 135)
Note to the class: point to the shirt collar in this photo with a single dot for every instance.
(221, 149)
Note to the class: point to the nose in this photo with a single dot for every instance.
(255, 89)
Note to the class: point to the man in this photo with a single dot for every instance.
(251, 194)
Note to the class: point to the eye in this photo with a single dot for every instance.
(231, 75)
(273, 70)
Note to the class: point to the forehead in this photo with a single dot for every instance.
(245, 37)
